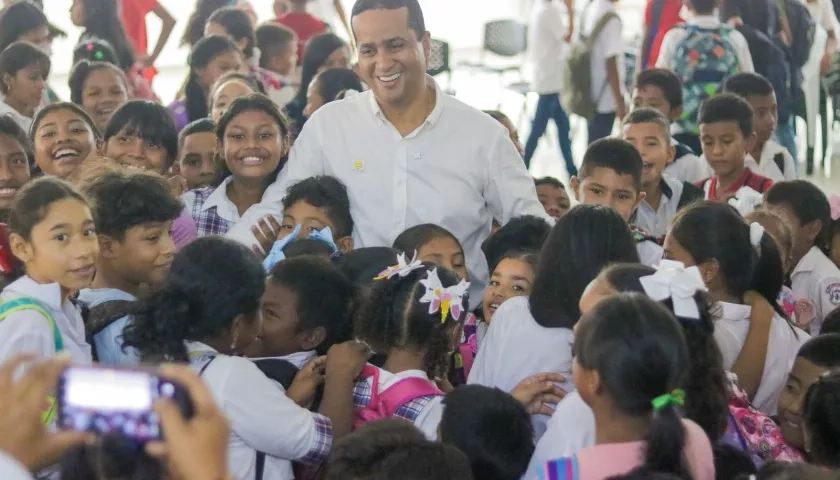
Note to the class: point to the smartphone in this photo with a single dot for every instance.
(116, 401)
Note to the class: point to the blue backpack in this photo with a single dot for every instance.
(703, 61)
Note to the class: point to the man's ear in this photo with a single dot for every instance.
(345, 244)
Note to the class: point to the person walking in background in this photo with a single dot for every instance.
(547, 42)
(133, 14)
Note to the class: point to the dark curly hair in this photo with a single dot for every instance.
(707, 394)
(212, 282)
(521, 234)
(393, 317)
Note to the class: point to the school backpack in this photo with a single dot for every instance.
(100, 317)
(27, 303)
(576, 92)
(703, 60)
(392, 401)
(771, 62)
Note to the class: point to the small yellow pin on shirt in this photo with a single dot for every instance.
(359, 165)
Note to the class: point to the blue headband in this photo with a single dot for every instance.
(276, 254)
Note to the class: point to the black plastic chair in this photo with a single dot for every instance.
(439, 62)
(503, 38)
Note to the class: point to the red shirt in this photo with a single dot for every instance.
(134, 19)
(747, 179)
(670, 17)
(304, 25)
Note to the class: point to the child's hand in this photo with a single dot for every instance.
(265, 231)
(538, 392)
(346, 360)
(302, 389)
(177, 185)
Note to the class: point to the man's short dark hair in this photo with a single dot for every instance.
(748, 84)
(616, 154)
(726, 107)
(415, 13)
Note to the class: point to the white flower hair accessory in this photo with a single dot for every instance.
(756, 232)
(673, 280)
(402, 268)
(445, 300)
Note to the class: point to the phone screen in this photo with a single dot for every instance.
(109, 401)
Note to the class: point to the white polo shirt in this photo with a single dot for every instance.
(767, 164)
(816, 279)
(459, 170)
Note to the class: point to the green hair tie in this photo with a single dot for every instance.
(98, 55)
(676, 397)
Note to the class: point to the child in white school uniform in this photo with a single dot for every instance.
(814, 278)
(533, 334)
(767, 157)
(733, 258)
(208, 312)
(53, 235)
(413, 316)
(253, 138)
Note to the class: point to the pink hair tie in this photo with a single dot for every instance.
(90, 47)
(834, 201)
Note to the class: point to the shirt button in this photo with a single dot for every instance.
(418, 156)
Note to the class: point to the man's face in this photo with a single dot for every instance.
(392, 60)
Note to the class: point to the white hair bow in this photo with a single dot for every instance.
(756, 232)
(745, 200)
(673, 280)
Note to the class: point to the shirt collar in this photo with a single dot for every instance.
(734, 311)
(810, 261)
(47, 293)
(219, 199)
(430, 120)
(705, 21)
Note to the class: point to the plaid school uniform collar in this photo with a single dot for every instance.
(219, 200)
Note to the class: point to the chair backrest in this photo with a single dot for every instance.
(438, 58)
(506, 38)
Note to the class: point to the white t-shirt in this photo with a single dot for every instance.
(546, 44)
(730, 333)
(817, 280)
(822, 13)
(516, 347)
(608, 44)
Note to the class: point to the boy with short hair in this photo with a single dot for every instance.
(648, 130)
(278, 56)
(702, 53)
(816, 357)
(552, 195)
(611, 175)
(767, 157)
(662, 90)
(726, 131)
(316, 203)
(304, 24)
(133, 212)
(197, 154)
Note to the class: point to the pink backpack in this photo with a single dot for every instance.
(388, 403)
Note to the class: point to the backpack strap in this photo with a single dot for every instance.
(405, 391)
(779, 160)
(28, 303)
(690, 194)
(104, 314)
(277, 369)
(682, 150)
(561, 469)
(598, 28)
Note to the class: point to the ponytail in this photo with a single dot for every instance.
(666, 440)
(768, 274)
(195, 97)
(159, 327)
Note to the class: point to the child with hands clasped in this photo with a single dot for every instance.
(53, 234)
(253, 139)
(634, 397)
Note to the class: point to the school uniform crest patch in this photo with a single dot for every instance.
(833, 292)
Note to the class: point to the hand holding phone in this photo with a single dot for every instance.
(116, 401)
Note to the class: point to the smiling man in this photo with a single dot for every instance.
(407, 152)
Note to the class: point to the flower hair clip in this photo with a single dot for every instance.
(402, 268)
(445, 300)
(673, 280)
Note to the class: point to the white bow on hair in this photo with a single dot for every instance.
(673, 280)
(745, 200)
